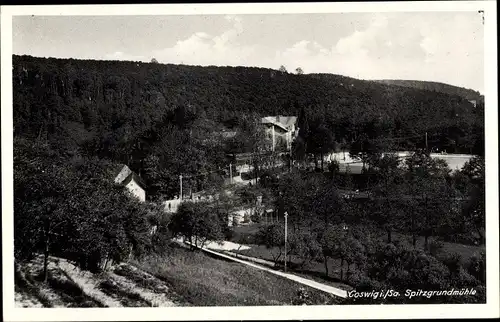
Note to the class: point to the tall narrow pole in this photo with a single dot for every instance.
(274, 144)
(231, 173)
(286, 224)
(180, 181)
(426, 146)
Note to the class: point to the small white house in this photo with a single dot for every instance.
(131, 181)
(172, 205)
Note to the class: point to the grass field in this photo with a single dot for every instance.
(206, 281)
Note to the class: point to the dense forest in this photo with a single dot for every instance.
(166, 120)
(436, 87)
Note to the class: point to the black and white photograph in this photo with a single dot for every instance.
(312, 160)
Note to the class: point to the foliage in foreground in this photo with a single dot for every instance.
(70, 207)
(420, 197)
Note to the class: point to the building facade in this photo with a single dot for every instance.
(281, 130)
(131, 182)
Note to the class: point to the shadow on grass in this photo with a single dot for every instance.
(27, 284)
(69, 291)
(128, 299)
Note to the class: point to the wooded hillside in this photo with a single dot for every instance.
(75, 119)
(436, 87)
(163, 120)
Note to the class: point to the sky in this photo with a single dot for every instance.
(444, 47)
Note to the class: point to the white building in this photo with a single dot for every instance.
(281, 129)
(172, 205)
(131, 181)
(473, 102)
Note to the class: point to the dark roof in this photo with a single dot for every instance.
(136, 178)
(284, 122)
(115, 169)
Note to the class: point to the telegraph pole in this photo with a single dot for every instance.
(180, 181)
(426, 146)
(286, 224)
(231, 173)
(274, 144)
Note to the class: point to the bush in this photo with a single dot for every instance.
(435, 246)
(255, 217)
(228, 233)
(334, 167)
(305, 246)
(477, 267)
(269, 180)
(163, 236)
(356, 277)
(302, 297)
(273, 237)
(453, 262)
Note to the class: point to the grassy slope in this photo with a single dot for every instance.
(206, 281)
(68, 286)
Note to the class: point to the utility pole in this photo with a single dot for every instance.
(274, 142)
(286, 224)
(231, 173)
(426, 146)
(180, 180)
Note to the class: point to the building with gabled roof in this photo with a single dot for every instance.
(281, 128)
(126, 177)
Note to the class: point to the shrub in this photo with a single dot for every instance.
(477, 267)
(228, 233)
(302, 297)
(334, 167)
(255, 217)
(305, 246)
(435, 246)
(273, 237)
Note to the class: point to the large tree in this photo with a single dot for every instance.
(197, 223)
(320, 140)
(430, 198)
(387, 209)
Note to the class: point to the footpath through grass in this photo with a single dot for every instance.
(203, 280)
